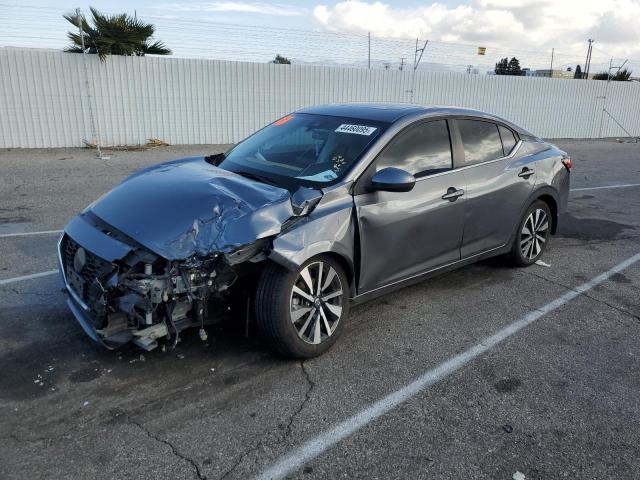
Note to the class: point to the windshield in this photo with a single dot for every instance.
(302, 149)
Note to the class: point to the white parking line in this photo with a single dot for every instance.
(605, 187)
(26, 234)
(7, 281)
(320, 444)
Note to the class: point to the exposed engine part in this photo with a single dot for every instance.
(144, 298)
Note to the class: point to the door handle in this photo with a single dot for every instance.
(453, 194)
(526, 173)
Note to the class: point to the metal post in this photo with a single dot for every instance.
(604, 98)
(416, 62)
(369, 55)
(86, 77)
(606, 89)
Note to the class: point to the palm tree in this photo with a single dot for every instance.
(113, 35)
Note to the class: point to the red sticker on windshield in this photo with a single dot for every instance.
(283, 120)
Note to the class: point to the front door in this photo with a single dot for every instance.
(403, 234)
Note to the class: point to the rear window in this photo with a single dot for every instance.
(481, 141)
(303, 149)
(508, 139)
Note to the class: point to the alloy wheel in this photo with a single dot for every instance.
(534, 234)
(316, 302)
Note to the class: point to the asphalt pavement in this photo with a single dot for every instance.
(558, 398)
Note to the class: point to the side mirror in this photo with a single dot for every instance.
(392, 179)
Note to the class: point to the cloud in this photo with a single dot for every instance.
(261, 8)
(518, 24)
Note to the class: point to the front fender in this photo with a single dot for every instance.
(330, 233)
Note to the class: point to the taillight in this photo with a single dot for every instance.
(568, 164)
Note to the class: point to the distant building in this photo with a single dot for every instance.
(557, 73)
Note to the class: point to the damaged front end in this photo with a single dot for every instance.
(143, 297)
(145, 286)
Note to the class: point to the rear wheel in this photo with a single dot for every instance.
(301, 313)
(532, 237)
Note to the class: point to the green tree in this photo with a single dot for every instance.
(113, 35)
(620, 76)
(508, 67)
(281, 60)
(514, 67)
(502, 67)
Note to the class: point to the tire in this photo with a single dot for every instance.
(294, 321)
(538, 220)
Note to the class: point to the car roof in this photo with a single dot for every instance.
(393, 112)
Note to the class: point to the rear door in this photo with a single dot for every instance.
(403, 234)
(499, 183)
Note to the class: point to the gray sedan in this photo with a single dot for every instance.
(324, 207)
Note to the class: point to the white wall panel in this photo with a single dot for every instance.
(45, 100)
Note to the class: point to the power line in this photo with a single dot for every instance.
(218, 40)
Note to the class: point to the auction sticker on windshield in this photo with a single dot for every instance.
(355, 129)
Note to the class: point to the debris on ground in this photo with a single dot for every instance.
(542, 264)
(151, 144)
(518, 476)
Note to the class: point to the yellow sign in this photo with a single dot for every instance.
(482, 50)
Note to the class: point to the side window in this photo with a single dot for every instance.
(508, 139)
(421, 150)
(481, 141)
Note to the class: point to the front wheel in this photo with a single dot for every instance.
(301, 313)
(532, 237)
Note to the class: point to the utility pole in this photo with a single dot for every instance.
(416, 59)
(369, 50)
(416, 62)
(587, 62)
(551, 67)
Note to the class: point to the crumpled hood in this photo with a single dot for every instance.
(186, 207)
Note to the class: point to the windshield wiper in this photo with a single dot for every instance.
(258, 178)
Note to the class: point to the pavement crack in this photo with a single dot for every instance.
(603, 302)
(174, 450)
(307, 396)
(585, 294)
(580, 242)
(287, 429)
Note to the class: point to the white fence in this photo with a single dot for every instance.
(47, 98)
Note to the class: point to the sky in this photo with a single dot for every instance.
(504, 26)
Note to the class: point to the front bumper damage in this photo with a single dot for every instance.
(121, 291)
